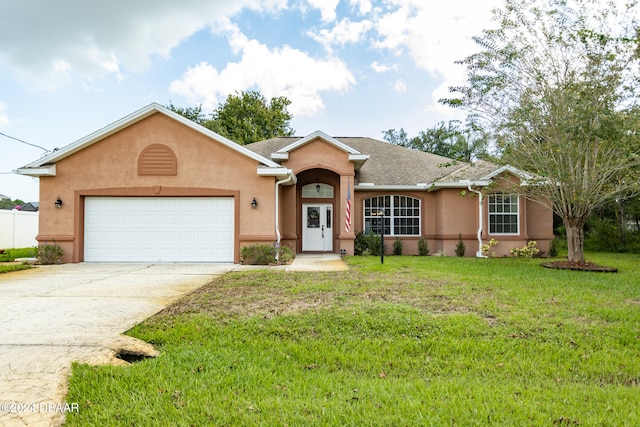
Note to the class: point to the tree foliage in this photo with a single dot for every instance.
(9, 204)
(556, 85)
(244, 117)
(449, 140)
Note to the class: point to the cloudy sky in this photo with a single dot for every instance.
(350, 67)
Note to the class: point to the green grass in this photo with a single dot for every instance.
(10, 255)
(416, 341)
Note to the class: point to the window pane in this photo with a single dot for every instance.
(503, 214)
(401, 215)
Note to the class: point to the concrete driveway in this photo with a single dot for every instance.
(51, 316)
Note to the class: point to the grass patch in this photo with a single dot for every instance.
(8, 268)
(416, 341)
(8, 255)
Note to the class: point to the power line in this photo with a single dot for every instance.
(24, 142)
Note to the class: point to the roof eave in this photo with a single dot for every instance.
(280, 173)
(135, 117)
(46, 170)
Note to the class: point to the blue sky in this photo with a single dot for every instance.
(350, 67)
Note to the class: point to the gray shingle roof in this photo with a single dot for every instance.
(390, 164)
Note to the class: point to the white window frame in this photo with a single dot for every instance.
(325, 191)
(389, 214)
(495, 209)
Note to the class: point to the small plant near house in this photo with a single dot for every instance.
(368, 244)
(49, 253)
(529, 251)
(553, 249)
(397, 246)
(263, 254)
(285, 254)
(423, 247)
(460, 246)
(486, 247)
(258, 254)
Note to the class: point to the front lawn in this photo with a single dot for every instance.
(416, 341)
(9, 255)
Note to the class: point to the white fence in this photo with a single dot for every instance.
(18, 229)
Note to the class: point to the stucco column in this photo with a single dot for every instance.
(346, 238)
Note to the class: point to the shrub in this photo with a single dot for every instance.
(529, 251)
(423, 247)
(49, 253)
(263, 254)
(285, 255)
(260, 254)
(461, 248)
(360, 244)
(486, 247)
(397, 246)
(553, 248)
(367, 244)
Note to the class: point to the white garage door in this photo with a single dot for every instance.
(165, 229)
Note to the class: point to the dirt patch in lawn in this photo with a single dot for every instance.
(579, 266)
(280, 293)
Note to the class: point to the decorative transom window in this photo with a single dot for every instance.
(317, 191)
(503, 214)
(401, 215)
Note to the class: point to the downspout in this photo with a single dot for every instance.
(291, 177)
(479, 253)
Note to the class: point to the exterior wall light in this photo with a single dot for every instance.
(254, 203)
(318, 188)
(58, 203)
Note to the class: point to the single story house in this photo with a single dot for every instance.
(155, 186)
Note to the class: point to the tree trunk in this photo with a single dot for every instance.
(575, 239)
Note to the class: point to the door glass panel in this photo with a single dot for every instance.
(328, 217)
(313, 217)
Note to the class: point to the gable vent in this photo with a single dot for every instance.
(157, 159)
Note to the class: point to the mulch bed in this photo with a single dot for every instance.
(579, 266)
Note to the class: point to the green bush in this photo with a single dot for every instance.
(367, 244)
(286, 255)
(397, 246)
(529, 251)
(461, 248)
(423, 247)
(263, 254)
(49, 253)
(259, 254)
(553, 247)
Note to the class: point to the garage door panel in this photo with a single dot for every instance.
(159, 229)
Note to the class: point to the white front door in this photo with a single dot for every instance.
(317, 227)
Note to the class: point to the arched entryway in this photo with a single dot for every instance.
(317, 194)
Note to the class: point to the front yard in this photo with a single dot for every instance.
(416, 341)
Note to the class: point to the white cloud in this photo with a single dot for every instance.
(342, 33)
(327, 8)
(46, 45)
(274, 72)
(400, 86)
(382, 68)
(4, 119)
(433, 34)
(364, 6)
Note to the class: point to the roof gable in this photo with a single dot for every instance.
(46, 165)
(354, 155)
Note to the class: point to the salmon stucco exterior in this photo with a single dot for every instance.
(156, 187)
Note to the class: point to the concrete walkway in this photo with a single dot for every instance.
(51, 316)
(317, 262)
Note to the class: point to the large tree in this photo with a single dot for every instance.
(557, 85)
(465, 143)
(244, 117)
